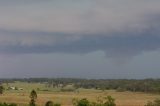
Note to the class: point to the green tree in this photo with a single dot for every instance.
(1, 89)
(33, 96)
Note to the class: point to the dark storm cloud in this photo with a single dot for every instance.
(116, 44)
(118, 29)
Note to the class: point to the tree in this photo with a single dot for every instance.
(33, 96)
(1, 89)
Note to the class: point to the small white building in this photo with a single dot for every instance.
(12, 87)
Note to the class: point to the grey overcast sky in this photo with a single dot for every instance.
(80, 38)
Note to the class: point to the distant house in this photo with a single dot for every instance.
(60, 85)
(15, 88)
(12, 87)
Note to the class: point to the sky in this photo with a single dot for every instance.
(102, 39)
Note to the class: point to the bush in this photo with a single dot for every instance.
(68, 88)
(5, 104)
(101, 101)
(104, 101)
(120, 89)
(56, 104)
(50, 103)
(82, 102)
(109, 101)
(154, 103)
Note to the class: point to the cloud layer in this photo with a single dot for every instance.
(122, 28)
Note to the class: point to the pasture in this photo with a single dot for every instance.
(21, 97)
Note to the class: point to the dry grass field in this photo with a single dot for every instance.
(65, 98)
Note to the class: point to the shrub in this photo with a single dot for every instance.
(104, 101)
(82, 102)
(5, 104)
(68, 88)
(120, 89)
(101, 101)
(109, 101)
(50, 103)
(154, 103)
(56, 104)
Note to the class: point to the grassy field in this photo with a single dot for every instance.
(65, 98)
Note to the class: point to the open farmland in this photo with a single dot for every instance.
(21, 97)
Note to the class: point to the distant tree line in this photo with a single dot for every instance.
(145, 85)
